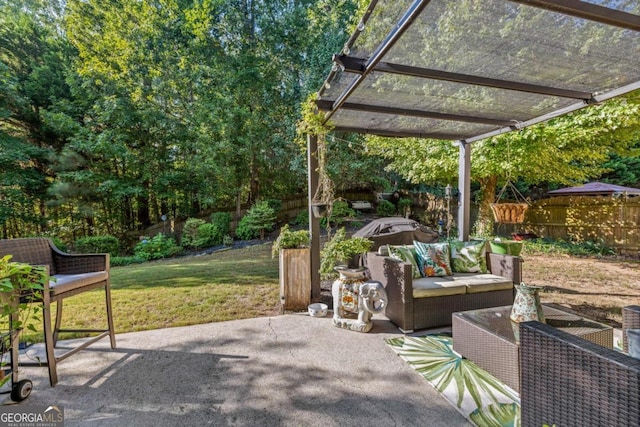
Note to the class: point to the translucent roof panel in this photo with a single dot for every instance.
(384, 16)
(454, 98)
(460, 68)
(504, 40)
(383, 124)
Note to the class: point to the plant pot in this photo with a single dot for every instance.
(319, 210)
(524, 236)
(295, 278)
(506, 247)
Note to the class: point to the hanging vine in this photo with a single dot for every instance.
(313, 123)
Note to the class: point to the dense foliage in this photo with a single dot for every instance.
(115, 114)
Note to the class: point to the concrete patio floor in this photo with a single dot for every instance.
(289, 370)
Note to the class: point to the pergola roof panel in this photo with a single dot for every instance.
(518, 61)
(451, 97)
(503, 40)
(400, 125)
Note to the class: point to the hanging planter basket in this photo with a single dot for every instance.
(509, 213)
(319, 209)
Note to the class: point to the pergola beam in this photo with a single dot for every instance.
(327, 105)
(357, 65)
(396, 33)
(588, 11)
(396, 134)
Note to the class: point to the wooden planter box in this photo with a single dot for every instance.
(295, 278)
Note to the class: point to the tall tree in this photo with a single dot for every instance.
(33, 60)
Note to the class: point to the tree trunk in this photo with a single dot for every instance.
(484, 222)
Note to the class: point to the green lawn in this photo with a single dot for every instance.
(227, 285)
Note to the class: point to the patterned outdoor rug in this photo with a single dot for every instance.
(478, 396)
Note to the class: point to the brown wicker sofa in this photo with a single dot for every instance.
(72, 274)
(568, 381)
(411, 308)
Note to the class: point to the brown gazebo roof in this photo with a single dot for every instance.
(596, 189)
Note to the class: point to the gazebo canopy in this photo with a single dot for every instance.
(468, 69)
(596, 189)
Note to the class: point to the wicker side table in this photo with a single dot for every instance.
(486, 337)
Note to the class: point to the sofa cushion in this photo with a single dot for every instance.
(433, 259)
(469, 257)
(482, 282)
(405, 253)
(68, 282)
(426, 287)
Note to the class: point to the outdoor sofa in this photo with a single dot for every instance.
(568, 381)
(429, 302)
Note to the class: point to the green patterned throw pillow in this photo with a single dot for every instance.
(407, 254)
(469, 257)
(433, 259)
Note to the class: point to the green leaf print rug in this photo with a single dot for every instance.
(478, 396)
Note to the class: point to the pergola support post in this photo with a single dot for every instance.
(314, 223)
(464, 187)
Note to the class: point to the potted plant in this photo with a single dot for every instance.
(20, 284)
(292, 248)
(289, 239)
(342, 251)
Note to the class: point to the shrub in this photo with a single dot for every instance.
(404, 206)
(222, 221)
(258, 219)
(98, 245)
(385, 208)
(190, 232)
(302, 218)
(339, 212)
(160, 246)
(59, 244)
(227, 240)
(208, 235)
(275, 204)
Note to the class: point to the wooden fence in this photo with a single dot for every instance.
(609, 220)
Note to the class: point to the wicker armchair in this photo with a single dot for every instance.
(568, 381)
(73, 275)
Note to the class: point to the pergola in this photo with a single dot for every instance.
(465, 70)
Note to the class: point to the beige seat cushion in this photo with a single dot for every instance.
(68, 282)
(482, 282)
(426, 287)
